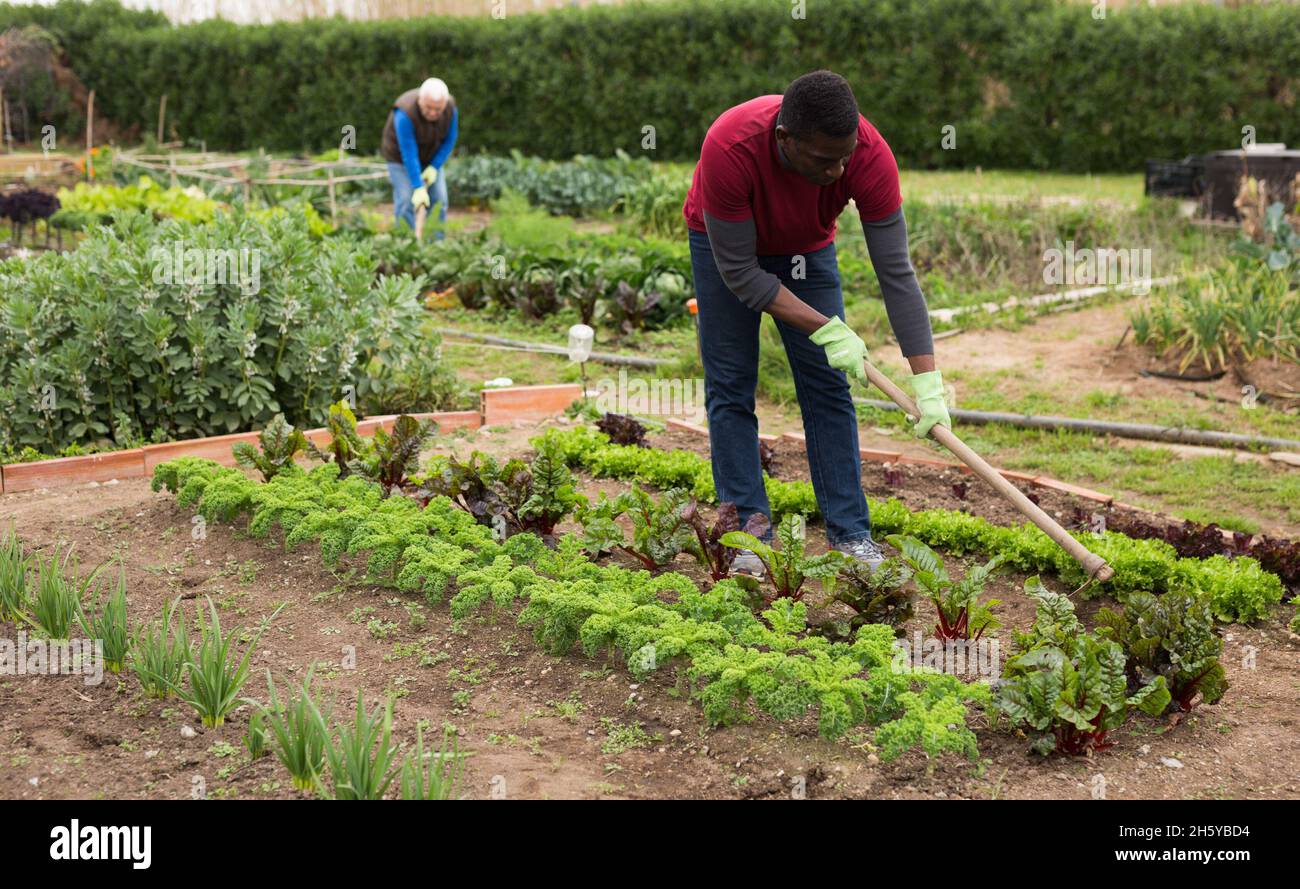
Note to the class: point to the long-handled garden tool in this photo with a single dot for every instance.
(1093, 565)
(421, 214)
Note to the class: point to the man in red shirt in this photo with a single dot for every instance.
(774, 174)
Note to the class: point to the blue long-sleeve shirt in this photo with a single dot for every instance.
(411, 152)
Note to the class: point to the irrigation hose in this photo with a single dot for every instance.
(1145, 431)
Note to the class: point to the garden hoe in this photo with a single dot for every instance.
(421, 214)
(1093, 565)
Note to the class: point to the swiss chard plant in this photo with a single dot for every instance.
(510, 497)
(659, 530)
(714, 555)
(788, 566)
(1171, 636)
(394, 456)
(1069, 684)
(550, 494)
(875, 597)
(345, 445)
(956, 601)
(277, 445)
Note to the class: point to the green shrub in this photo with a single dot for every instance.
(114, 340)
(1026, 84)
(1070, 684)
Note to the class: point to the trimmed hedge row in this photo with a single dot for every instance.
(1027, 84)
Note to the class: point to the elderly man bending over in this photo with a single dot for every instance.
(418, 138)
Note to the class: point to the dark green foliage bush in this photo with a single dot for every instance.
(1026, 84)
(105, 344)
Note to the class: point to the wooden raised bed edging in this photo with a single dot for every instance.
(512, 403)
(140, 462)
(73, 470)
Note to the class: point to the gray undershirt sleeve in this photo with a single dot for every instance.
(908, 316)
(735, 252)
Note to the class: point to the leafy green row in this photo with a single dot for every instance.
(1237, 588)
(712, 637)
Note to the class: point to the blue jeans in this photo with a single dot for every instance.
(729, 338)
(402, 191)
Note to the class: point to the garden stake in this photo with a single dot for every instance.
(1093, 565)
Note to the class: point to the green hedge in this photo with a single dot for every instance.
(1028, 84)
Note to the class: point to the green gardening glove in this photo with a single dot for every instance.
(930, 402)
(420, 198)
(844, 349)
(430, 175)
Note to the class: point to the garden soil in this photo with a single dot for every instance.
(542, 727)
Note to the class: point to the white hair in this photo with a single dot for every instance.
(434, 90)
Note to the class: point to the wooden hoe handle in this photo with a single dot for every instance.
(1093, 565)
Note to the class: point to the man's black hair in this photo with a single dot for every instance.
(819, 102)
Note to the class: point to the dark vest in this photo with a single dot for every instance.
(429, 134)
